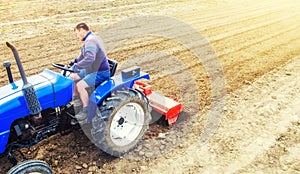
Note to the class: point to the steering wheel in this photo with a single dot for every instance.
(65, 68)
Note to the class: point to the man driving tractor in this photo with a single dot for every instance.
(92, 64)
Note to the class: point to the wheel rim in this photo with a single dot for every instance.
(127, 124)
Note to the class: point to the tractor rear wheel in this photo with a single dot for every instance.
(123, 120)
(31, 166)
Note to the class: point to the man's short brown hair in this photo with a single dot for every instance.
(83, 26)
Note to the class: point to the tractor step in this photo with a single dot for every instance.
(168, 107)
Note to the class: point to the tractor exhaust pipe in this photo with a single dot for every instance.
(16, 55)
(28, 90)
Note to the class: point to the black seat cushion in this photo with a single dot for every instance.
(113, 67)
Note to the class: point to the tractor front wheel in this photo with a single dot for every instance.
(31, 166)
(123, 120)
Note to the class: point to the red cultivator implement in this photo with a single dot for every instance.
(170, 108)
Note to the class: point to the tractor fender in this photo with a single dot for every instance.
(104, 90)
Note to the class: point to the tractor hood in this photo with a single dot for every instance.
(16, 87)
(52, 90)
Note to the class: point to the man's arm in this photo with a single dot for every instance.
(88, 56)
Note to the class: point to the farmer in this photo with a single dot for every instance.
(93, 65)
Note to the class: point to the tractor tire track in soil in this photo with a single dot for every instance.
(258, 46)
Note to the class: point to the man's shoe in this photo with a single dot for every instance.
(82, 115)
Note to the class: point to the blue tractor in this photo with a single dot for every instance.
(39, 106)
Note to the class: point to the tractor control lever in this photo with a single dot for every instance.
(7, 64)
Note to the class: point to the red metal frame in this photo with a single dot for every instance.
(170, 108)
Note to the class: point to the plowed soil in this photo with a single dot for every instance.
(257, 43)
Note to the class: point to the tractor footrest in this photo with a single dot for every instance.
(166, 106)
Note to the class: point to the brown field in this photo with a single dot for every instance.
(258, 46)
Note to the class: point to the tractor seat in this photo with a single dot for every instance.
(112, 66)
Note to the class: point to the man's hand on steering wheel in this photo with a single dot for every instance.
(65, 68)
